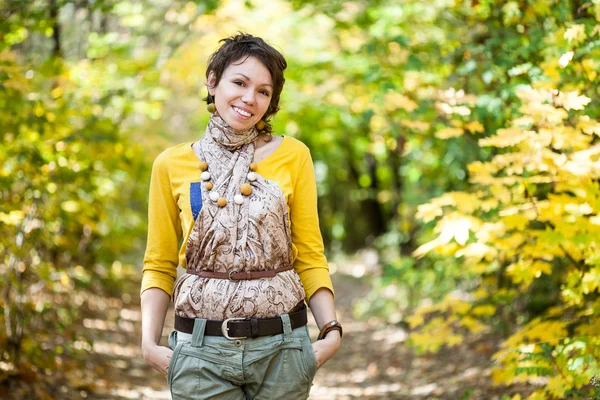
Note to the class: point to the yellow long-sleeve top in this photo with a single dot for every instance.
(175, 200)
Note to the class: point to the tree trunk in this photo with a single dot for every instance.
(56, 49)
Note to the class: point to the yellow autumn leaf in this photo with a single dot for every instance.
(472, 324)
(545, 330)
(572, 100)
(502, 375)
(516, 221)
(588, 125)
(426, 248)
(465, 202)
(575, 34)
(538, 395)
(415, 320)
(506, 137)
(416, 125)
(591, 280)
(429, 211)
(525, 271)
(13, 218)
(426, 342)
(474, 127)
(447, 133)
(476, 250)
(455, 227)
(557, 386)
(395, 101)
(453, 340)
(484, 310)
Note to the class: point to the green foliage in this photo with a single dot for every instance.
(526, 232)
(73, 180)
(457, 138)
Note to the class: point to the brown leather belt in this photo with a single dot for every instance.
(240, 275)
(242, 328)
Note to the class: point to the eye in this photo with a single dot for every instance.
(266, 93)
(239, 83)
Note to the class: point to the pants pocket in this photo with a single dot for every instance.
(309, 357)
(176, 347)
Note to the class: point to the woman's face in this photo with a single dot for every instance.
(243, 94)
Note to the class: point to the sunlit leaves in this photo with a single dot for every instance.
(542, 228)
(72, 190)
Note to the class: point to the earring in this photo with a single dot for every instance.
(211, 108)
(260, 125)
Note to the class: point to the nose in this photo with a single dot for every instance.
(248, 97)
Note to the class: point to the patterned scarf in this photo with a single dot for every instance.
(253, 236)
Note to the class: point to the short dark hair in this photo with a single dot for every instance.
(245, 45)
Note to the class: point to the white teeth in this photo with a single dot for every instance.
(242, 112)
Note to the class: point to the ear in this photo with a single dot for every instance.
(212, 83)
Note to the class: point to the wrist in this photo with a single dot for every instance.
(333, 336)
(148, 345)
(329, 327)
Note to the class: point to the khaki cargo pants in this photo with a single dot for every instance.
(212, 367)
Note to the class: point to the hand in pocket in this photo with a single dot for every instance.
(159, 358)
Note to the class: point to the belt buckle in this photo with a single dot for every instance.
(231, 279)
(225, 329)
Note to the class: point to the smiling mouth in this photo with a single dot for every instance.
(242, 112)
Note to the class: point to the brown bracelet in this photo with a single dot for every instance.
(328, 327)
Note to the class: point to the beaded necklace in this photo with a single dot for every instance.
(245, 189)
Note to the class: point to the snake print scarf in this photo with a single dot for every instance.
(252, 236)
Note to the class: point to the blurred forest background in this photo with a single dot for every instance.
(457, 153)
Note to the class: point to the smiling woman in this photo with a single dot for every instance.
(244, 93)
(245, 204)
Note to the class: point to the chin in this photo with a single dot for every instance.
(238, 125)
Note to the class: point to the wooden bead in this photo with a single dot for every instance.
(222, 201)
(208, 186)
(253, 167)
(214, 196)
(203, 166)
(246, 189)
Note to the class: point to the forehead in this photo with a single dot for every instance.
(250, 66)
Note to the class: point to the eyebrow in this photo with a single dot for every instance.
(264, 84)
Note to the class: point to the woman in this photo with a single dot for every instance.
(246, 202)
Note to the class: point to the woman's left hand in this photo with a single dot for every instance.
(326, 348)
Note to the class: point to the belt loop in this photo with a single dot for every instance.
(198, 333)
(173, 339)
(287, 327)
(253, 327)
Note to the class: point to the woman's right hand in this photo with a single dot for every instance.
(158, 357)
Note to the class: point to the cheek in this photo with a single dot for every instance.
(266, 104)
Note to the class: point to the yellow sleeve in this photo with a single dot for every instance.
(310, 262)
(164, 231)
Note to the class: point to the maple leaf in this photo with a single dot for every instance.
(575, 34)
(572, 100)
(588, 125)
(506, 137)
